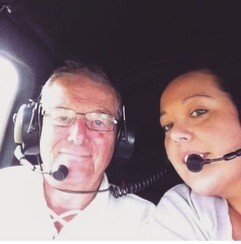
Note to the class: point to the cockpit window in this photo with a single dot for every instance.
(9, 82)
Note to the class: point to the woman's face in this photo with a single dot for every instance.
(199, 118)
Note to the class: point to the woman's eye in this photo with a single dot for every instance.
(167, 127)
(198, 112)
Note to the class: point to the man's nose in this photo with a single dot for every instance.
(78, 132)
(180, 134)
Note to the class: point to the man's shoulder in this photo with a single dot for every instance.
(140, 200)
(130, 208)
(12, 170)
(132, 200)
(16, 176)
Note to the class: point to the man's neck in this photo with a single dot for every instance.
(60, 201)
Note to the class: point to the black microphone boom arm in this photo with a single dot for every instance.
(195, 162)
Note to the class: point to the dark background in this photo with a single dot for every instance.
(139, 43)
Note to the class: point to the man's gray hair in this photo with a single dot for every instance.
(93, 72)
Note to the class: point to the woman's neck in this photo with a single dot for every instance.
(235, 218)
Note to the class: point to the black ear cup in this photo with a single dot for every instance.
(27, 127)
(125, 142)
(124, 147)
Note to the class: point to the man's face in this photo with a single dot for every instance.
(86, 153)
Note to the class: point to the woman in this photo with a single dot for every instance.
(200, 114)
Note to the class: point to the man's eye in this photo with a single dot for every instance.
(167, 127)
(198, 112)
(98, 122)
(62, 118)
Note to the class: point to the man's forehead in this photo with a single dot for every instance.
(86, 95)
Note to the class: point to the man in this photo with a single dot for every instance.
(80, 111)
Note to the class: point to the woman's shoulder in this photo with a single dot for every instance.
(180, 191)
(182, 196)
(183, 191)
(182, 214)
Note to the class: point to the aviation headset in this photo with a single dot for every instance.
(28, 125)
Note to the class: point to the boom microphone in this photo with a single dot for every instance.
(195, 162)
(61, 173)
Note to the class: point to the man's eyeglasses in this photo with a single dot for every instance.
(94, 120)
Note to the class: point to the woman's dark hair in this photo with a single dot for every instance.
(226, 69)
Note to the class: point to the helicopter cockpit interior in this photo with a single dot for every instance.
(138, 43)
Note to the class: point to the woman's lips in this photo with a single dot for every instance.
(202, 155)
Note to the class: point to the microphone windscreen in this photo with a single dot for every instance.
(195, 163)
(61, 173)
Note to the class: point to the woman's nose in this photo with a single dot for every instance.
(78, 132)
(180, 134)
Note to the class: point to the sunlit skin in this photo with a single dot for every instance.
(85, 152)
(198, 117)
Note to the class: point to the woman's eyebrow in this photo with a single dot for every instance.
(162, 113)
(187, 99)
(195, 96)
